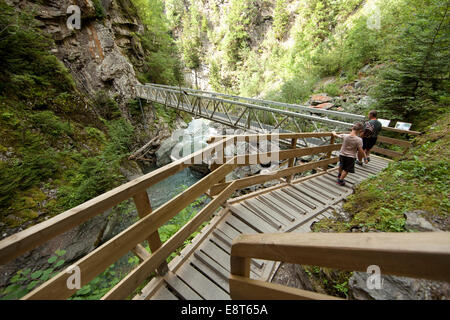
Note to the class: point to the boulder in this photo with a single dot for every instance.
(319, 99)
(326, 106)
(164, 152)
(414, 221)
(392, 288)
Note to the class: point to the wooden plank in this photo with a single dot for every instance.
(304, 192)
(423, 255)
(276, 207)
(251, 219)
(138, 275)
(302, 199)
(195, 243)
(410, 132)
(270, 136)
(351, 178)
(327, 187)
(144, 208)
(303, 204)
(261, 209)
(262, 205)
(216, 253)
(292, 202)
(211, 270)
(243, 288)
(141, 252)
(332, 183)
(150, 288)
(261, 178)
(256, 193)
(164, 294)
(201, 284)
(292, 159)
(261, 215)
(386, 152)
(314, 192)
(32, 237)
(397, 142)
(213, 265)
(347, 186)
(180, 287)
(318, 192)
(285, 206)
(240, 226)
(226, 241)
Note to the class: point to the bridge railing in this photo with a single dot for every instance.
(418, 255)
(150, 221)
(198, 102)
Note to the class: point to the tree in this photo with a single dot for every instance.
(416, 80)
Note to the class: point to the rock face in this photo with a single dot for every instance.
(99, 54)
(397, 288)
(414, 221)
(320, 99)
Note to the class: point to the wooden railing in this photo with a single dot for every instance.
(419, 255)
(146, 228)
(213, 185)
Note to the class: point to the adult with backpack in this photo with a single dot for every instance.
(371, 130)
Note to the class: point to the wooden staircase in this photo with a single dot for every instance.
(218, 263)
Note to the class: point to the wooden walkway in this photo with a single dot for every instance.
(203, 268)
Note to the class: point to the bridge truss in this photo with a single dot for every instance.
(252, 115)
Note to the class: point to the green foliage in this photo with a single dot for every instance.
(162, 63)
(280, 19)
(99, 174)
(29, 71)
(190, 41)
(24, 281)
(176, 223)
(107, 106)
(16, 175)
(412, 86)
(50, 124)
(236, 40)
(99, 10)
(99, 286)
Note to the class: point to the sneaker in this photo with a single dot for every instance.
(339, 176)
(366, 160)
(359, 163)
(340, 182)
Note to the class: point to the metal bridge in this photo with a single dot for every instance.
(252, 115)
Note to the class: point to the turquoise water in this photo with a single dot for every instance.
(167, 189)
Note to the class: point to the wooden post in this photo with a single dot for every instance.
(328, 156)
(144, 208)
(291, 160)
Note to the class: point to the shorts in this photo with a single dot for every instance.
(368, 143)
(347, 163)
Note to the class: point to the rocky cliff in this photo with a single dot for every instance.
(101, 54)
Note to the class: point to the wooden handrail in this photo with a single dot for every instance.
(421, 255)
(99, 259)
(268, 136)
(32, 237)
(147, 227)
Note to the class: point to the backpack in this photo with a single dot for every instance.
(369, 129)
